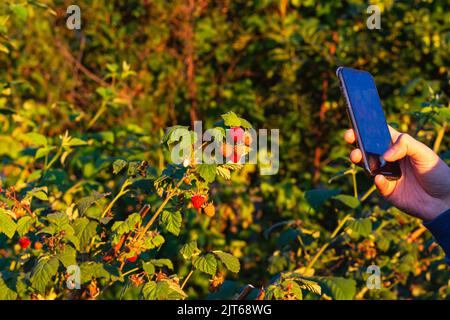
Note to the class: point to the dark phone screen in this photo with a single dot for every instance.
(366, 107)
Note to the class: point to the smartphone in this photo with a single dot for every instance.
(368, 121)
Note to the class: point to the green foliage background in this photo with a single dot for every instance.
(138, 67)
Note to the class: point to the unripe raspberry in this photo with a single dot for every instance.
(247, 138)
(226, 150)
(210, 210)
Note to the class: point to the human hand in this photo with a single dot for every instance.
(423, 190)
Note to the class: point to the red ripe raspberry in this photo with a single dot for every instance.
(24, 242)
(197, 201)
(236, 133)
(132, 259)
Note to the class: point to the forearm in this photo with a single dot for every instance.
(440, 228)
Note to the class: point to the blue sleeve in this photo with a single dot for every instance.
(440, 229)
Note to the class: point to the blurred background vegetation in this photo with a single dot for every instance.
(137, 67)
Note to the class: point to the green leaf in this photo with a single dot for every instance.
(43, 271)
(40, 193)
(6, 286)
(231, 119)
(245, 124)
(74, 142)
(169, 137)
(118, 166)
(230, 261)
(20, 12)
(35, 138)
(86, 202)
(35, 175)
(206, 263)
(190, 250)
(165, 289)
(207, 171)
(339, 288)
(361, 227)
(162, 263)
(148, 267)
(67, 256)
(171, 221)
(317, 197)
(223, 172)
(121, 227)
(7, 224)
(24, 224)
(90, 270)
(44, 151)
(349, 201)
(85, 230)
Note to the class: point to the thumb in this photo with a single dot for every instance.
(405, 145)
(385, 187)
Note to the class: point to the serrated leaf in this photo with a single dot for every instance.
(43, 271)
(118, 165)
(207, 171)
(85, 230)
(171, 221)
(167, 139)
(231, 119)
(245, 124)
(362, 226)
(190, 250)
(349, 201)
(148, 267)
(310, 285)
(165, 289)
(24, 224)
(67, 256)
(40, 193)
(223, 172)
(339, 288)
(86, 202)
(230, 261)
(7, 224)
(162, 263)
(206, 263)
(121, 227)
(317, 197)
(90, 270)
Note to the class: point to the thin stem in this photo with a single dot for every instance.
(325, 246)
(355, 185)
(368, 193)
(187, 278)
(54, 159)
(439, 137)
(122, 192)
(160, 209)
(98, 114)
(130, 271)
